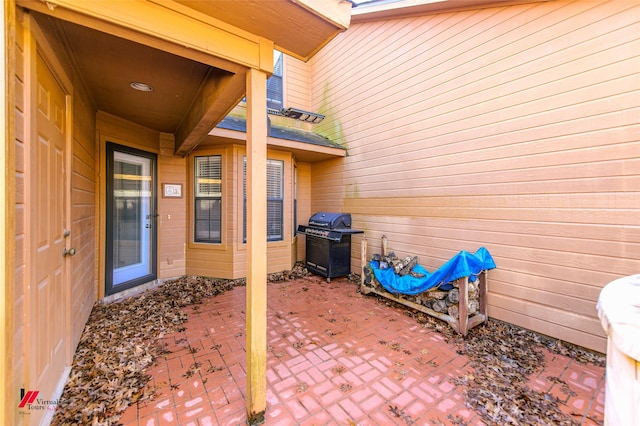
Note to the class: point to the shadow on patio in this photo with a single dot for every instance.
(338, 357)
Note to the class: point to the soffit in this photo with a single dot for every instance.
(191, 53)
(294, 26)
(108, 64)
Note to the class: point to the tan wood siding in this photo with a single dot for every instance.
(84, 185)
(18, 359)
(512, 127)
(304, 205)
(297, 81)
(172, 212)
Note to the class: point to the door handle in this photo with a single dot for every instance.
(69, 252)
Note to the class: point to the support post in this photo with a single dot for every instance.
(463, 306)
(363, 258)
(256, 246)
(482, 295)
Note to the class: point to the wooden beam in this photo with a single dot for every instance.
(218, 96)
(162, 24)
(256, 246)
(208, 110)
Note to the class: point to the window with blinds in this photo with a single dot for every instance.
(275, 200)
(208, 199)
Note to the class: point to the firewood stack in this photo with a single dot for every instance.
(445, 302)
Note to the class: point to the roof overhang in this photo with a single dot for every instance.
(406, 8)
(299, 28)
(307, 152)
(170, 40)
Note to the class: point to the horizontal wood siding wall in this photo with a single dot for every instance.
(296, 81)
(304, 206)
(172, 212)
(17, 375)
(84, 219)
(515, 128)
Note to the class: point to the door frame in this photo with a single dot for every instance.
(36, 45)
(109, 288)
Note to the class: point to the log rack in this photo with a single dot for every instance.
(461, 324)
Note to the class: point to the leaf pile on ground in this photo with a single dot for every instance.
(120, 341)
(504, 357)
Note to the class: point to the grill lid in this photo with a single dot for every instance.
(329, 220)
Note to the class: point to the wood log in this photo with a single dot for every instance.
(453, 311)
(408, 265)
(367, 275)
(436, 294)
(439, 306)
(454, 296)
(474, 306)
(397, 265)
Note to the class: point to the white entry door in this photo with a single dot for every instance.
(48, 292)
(131, 218)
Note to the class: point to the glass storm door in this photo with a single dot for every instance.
(131, 218)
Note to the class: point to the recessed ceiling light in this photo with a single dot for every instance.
(143, 87)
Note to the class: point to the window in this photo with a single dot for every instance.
(208, 199)
(295, 200)
(274, 83)
(275, 200)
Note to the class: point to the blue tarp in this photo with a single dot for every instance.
(463, 264)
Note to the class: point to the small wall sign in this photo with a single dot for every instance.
(172, 190)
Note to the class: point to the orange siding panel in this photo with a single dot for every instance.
(513, 127)
(18, 373)
(296, 81)
(172, 212)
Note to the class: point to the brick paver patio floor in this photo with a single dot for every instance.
(335, 357)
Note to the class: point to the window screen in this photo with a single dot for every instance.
(208, 199)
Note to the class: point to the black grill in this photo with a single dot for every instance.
(329, 244)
